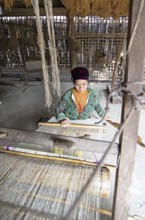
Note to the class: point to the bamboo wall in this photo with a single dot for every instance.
(95, 43)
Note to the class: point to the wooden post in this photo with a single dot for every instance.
(134, 72)
(114, 71)
(71, 38)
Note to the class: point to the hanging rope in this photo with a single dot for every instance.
(41, 43)
(52, 46)
(8, 4)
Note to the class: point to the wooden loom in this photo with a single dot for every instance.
(64, 146)
(57, 182)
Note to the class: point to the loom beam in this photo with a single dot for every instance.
(48, 141)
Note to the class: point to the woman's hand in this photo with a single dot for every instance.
(64, 123)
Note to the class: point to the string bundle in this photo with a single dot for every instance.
(41, 43)
(52, 46)
(8, 4)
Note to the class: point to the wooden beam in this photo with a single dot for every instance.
(48, 141)
(48, 156)
(57, 124)
(134, 72)
(113, 85)
(30, 12)
(72, 40)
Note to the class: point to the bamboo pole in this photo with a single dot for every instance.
(56, 124)
(40, 155)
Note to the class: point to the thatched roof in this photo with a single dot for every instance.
(102, 8)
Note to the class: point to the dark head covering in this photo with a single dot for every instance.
(80, 73)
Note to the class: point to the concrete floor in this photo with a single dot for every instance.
(21, 107)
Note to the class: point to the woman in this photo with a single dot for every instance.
(80, 101)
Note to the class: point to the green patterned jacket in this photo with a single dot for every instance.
(66, 108)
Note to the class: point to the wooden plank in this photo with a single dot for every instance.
(33, 65)
(117, 125)
(134, 72)
(10, 82)
(30, 12)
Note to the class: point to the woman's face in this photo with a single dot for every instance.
(81, 85)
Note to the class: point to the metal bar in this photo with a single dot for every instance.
(134, 72)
